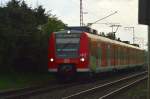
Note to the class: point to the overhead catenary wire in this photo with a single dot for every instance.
(102, 18)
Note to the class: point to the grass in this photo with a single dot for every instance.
(13, 81)
(139, 91)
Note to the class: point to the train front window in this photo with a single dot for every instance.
(67, 45)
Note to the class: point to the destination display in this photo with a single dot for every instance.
(67, 40)
(72, 35)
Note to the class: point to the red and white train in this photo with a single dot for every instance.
(73, 52)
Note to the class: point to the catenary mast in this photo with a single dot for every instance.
(81, 13)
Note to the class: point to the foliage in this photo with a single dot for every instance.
(111, 35)
(24, 36)
(53, 24)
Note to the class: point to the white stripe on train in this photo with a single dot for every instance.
(78, 70)
(101, 69)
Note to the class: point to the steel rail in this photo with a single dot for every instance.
(107, 96)
(104, 85)
(27, 92)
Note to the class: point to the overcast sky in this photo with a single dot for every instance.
(127, 16)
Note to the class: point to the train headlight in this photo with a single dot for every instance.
(51, 59)
(68, 32)
(82, 59)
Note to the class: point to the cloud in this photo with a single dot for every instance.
(69, 12)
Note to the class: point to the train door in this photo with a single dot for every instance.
(135, 54)
(121, 56)
(116, 56)
(108, 55)
(124, 56)
(99, 53)
(104, 62)
(112, 55)
(128, 57)
(134, 57)
(93, 56)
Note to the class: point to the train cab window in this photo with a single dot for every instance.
(67, 45)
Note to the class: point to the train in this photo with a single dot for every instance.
(78, 50)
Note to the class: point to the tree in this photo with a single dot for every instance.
(53, 25)
(23, 46)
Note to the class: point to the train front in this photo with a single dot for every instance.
(68, 53)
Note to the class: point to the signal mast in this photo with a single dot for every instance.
(81, 14)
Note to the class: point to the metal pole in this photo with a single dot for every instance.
(133, 36)
(81, 13)
(148, 93)
(1, 3)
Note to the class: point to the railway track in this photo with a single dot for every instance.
(55, 89)
(107, 90)
(107, 96)
(24, 92)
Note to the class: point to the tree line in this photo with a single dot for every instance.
(24, 34)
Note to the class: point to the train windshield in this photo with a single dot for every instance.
(67, 45)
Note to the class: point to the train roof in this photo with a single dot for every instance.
(107, 40)
(103, 39)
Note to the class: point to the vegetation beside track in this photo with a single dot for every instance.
(137, 92)
(15, 81)
(24, 33)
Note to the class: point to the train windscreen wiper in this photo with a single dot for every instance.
(65, 46)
